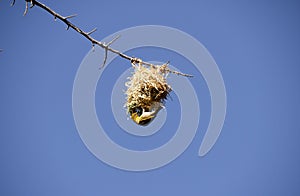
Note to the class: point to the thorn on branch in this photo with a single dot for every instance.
(71, 16)
(26, 8)
(113, 40)
(68, 27)
(106, 46)
(105, 57)
(32, 4)
(13, 3)
(92, 31)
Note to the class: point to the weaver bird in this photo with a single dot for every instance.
(144, 115)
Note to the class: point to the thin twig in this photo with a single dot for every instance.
(92, 31)
(105, 58)
(32, 4)
(26, 8)
(71, 16)
(113, 40)
(106, 50)
(89, 37)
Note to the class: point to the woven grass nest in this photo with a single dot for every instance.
(146, 86)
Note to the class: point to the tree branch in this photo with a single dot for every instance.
(88, 36)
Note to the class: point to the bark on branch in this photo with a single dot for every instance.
(87, 35)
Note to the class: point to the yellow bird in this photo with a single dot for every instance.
(143, 116)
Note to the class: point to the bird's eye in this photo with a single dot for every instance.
(139, 111)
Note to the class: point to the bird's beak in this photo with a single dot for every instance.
(144, 119)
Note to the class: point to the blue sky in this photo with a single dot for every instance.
(256, 46)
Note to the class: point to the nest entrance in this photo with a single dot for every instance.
(147, 85)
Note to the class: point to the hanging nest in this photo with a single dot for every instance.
(147, 89)
(147, 86)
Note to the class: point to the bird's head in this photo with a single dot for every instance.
(144, 115)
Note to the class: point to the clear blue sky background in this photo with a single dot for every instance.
(256, 45)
